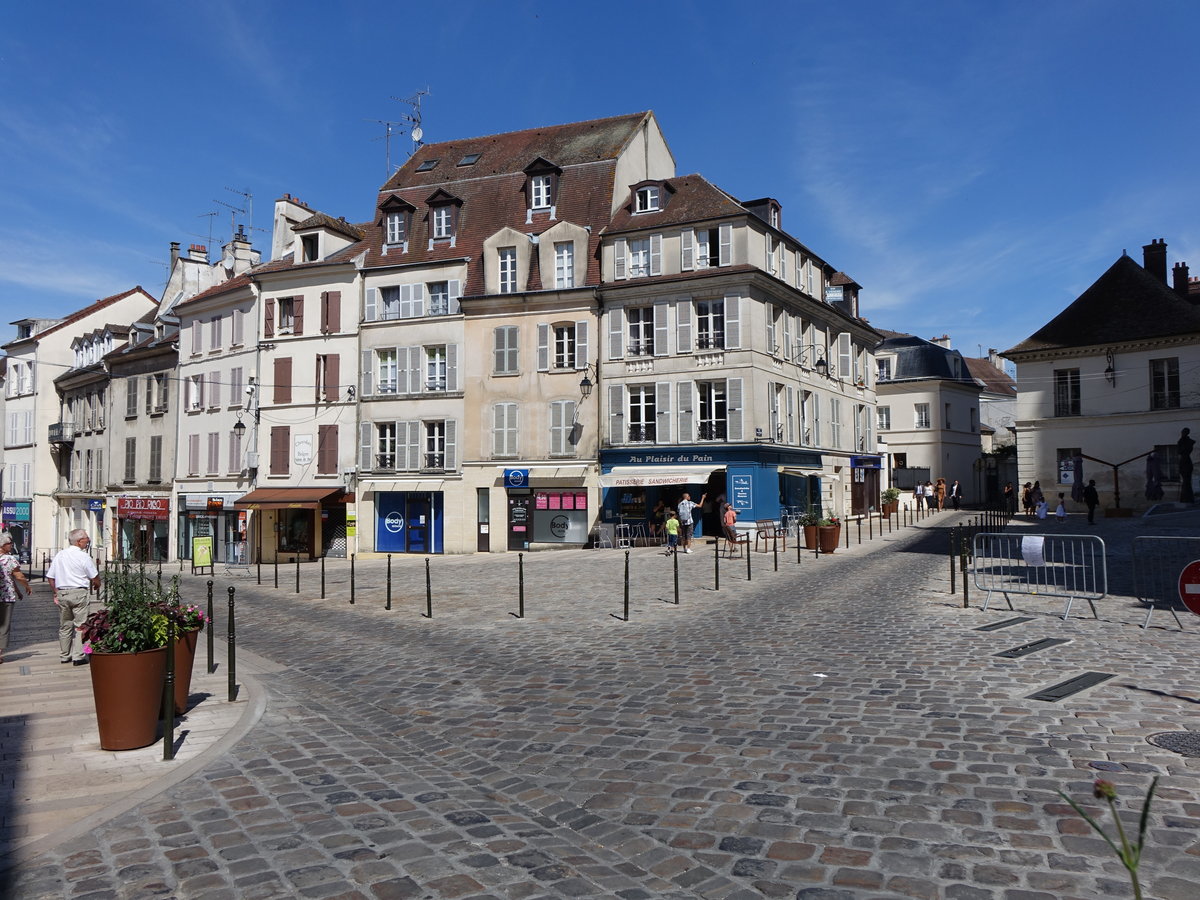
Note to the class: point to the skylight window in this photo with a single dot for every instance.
(428, 165)
(469, 160)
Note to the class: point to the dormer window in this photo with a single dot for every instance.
(310, 248)
(539, 192)
(24, 330)
(443, 216)
(397, 222)
(443, 222)
(397, 227)
(647, 199)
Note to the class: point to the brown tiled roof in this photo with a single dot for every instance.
(692, 198)
(1126, 303)
(238, 281)
(87, 311)
(288, 262)
(511, 152)
(320, 220)
(993, 380)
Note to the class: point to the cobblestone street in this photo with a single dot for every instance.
(836, 729)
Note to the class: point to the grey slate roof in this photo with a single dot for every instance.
(1126, 303)
(917, 358)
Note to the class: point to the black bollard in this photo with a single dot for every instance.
(675, 562)
(231, 643)
(626, 585)
(717, 565)
(297, 573)
(847, 533)
(322, 577)
(966, 604)
(428, 592)
(775, 551)
(168, 715)
(520, 614)
(258, 565)
(953, 545)
(351, 579)
(210, 628)
(276, 569)
(799, 543)
(388, 604)
(749, 577)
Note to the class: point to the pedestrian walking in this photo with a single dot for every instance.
(940, 490)
(930, 495)
(1027, 499)
(12, 583)
(956, 493)
(1060, 511)
(1092, 499)
(728, 525)
(72, 576)
(919, 495)
(1010, 498)
(672, 527)
(685, 508)
(1036, 497)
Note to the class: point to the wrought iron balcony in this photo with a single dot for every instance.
(62, 433)
(642, 434)
(713, 431)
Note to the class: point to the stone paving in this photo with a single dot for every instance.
(836, 729)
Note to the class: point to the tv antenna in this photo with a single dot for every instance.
(416, 132)
(386, 137)
(249, 198)
(235, 211)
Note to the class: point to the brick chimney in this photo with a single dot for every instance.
(1179, 279)
(943, 341)
(174, 256)
(1154, 255)
(198, 252)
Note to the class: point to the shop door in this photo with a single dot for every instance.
(864, 492)
(520, 520)
(418, 520)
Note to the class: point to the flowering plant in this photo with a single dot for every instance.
(831, 520)
(1129, 852)
(188, 617)
(135, 618)
(810, 519)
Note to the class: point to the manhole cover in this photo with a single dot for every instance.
(1186, 743)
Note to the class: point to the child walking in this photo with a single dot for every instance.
(672, 525)
(1060, 511)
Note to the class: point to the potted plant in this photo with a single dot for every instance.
(829, 532)
(889, 501)
(125, 643)
(189, 622)
(809, 522)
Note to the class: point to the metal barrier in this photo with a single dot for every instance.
(1157, 564)
(1072, 566)
(237, 557)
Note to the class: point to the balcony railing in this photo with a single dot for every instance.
(62, 433)
(711, 341)
(385, 461)
(713, 431)
(435, 461)
(641, 348)
(642, 434)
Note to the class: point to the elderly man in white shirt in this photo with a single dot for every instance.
(73, 575)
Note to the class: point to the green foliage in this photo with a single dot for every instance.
(890, 495)
(135, 618)
(1130, 853)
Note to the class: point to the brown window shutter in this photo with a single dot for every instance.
(268, 318)
(297, 315)
(332, 386)
(281, 439)
(283, 379)
(327, 449)
(333, 312)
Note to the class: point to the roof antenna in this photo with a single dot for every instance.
(386, 137)
(249, 197)
(417, 133)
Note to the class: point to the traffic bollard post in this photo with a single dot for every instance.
(231, 661)
(388, 604)
(210, 628)
(428, 592)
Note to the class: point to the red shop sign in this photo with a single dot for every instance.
(143, 507)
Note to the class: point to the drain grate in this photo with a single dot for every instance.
(1057, 692)
(996, 626)
(1032, 647)
(1185, 743)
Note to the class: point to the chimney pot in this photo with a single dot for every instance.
(1154, 259)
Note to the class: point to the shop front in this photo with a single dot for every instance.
(550, 508)
(758, 481)
(409, 521)
(211, 519)
(17, 521)
(143, 524)
(864, 484)
(290, 523)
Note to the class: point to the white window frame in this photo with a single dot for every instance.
(647, 199)
(712, 411)
(639, 258)
(434, 444)
(643, 414)
(564, 264)
(507, 270)
(539, 192)
(435, 368)
(564, 346)
(883, 415)
(921, 416)
(396, 231)
(386, 370)
(285, 310)
(640, 330)
(443, 222)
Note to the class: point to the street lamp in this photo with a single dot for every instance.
(821, 366)
(586, 384)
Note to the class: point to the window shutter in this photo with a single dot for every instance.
(616, 414)
(194, 454)
(498, 355)
(416, 375)
(662, 412)
(616, 333)
(281, 439)
(131, 404)
(452, 381)
(499, 429)
(454, 292)
(558, 444)
(364, 374)
(214, 389)
(335, 312)
(687, 424)
(786, 349)
(327, 449)
(783, 258)
(371, 305)
(733, 322)
(733, 407)
(687, 249)
(770, 313)
(725, 245)
(582, 354)
(333, 374)
(543, 347)
(238, 327)
(769, 258)
(366, 432)
(683, 324)
(656, 254)
(418, 300)
(845, 359)
(268, 321)
(660, 328)
(816, 420)
(410, 433)
(619, 252)
(451, 461)
(283, 379)
(149, 393)
(297, 315)
(402, 370)
(791, 415)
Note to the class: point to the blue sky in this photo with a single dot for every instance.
(974, 166)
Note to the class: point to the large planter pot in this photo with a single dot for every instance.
(810, 537)
(890, 509)
(828, 537)
(128, 690)
(185, 655)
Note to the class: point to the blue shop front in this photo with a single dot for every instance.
(760, 481)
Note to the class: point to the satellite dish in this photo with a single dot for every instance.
(417, 133)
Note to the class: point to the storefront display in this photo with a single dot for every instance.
(143, 525)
